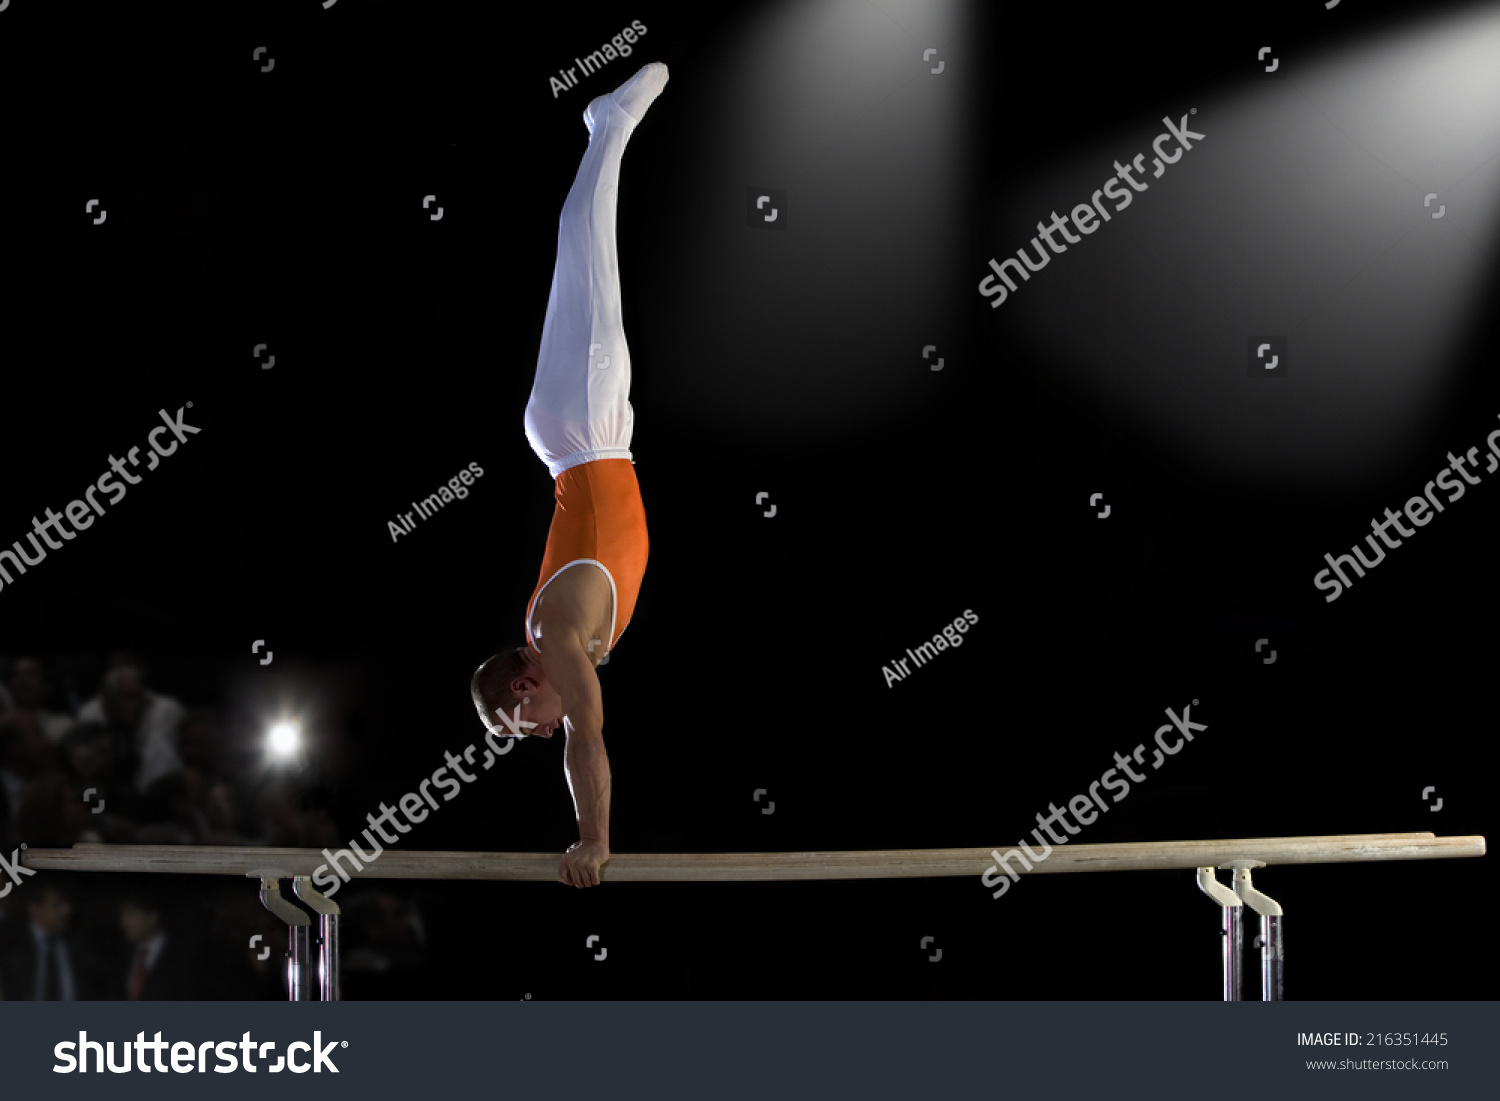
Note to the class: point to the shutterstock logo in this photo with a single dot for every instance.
(61, 528)
(187, 1057)
(1089, 217)
(1086, 808)
(12, 869)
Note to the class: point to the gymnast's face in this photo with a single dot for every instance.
(545, 707)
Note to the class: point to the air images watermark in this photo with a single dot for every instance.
(427, 507)
(617, 47)
(951, 636)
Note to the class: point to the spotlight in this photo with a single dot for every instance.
(284, 739)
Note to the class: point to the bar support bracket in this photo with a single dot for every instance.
(1270, 943)
(330, 986)
(1231, 930)
(299, 940)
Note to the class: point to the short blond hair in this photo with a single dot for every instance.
(490, 686)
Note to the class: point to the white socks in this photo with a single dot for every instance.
(633, 97)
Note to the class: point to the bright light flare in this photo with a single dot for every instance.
(284, 739)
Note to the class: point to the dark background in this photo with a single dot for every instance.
(286, 211)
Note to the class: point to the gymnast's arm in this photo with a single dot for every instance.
(586, 764)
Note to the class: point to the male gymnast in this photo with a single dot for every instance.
(579, 423)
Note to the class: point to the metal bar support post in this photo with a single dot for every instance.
(1230, 929)
(330, 986)
(299, 940)
(1272, 953)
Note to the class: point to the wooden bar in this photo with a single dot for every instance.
(738, 867)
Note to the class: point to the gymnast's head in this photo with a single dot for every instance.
(515, 678)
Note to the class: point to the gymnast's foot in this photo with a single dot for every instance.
(633, 97)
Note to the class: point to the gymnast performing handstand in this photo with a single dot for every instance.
(579, 422)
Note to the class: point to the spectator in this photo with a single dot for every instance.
(25, 755)
(194, 811)
(162, 966)
(53, 814)
(198, 802)
(42, 962)
(30, 691)
(144, 723)
(286, 822)
(200, 742)
(114, 807)
(239, 936)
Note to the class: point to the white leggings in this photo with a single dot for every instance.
(580, 402)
